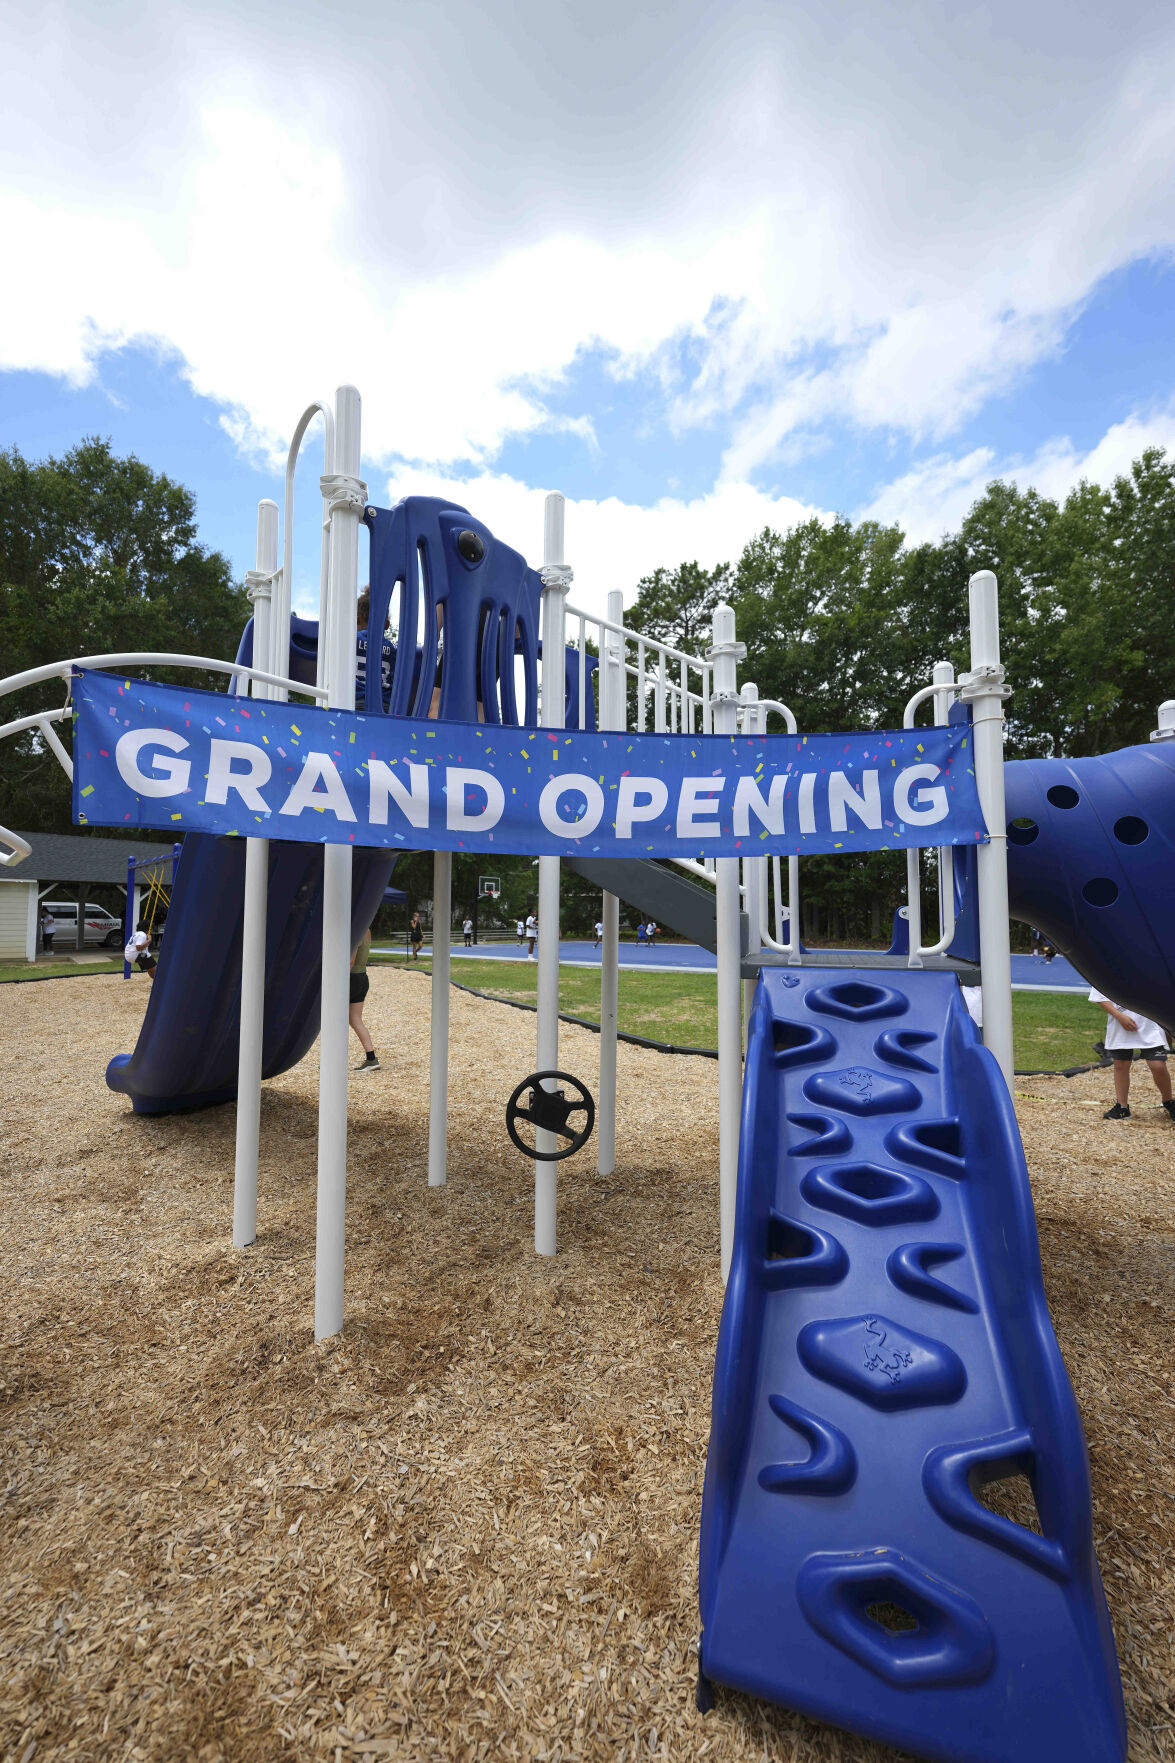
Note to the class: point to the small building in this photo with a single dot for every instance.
(67, 866)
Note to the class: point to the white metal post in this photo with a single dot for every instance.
(985, 692)
(613, 715)
(253, 933)
(556, 580)
(32, 923)
(344, 496)
(944, 675)
(754, 877)
(438, 1071)
(725, 655)
(1166, 728)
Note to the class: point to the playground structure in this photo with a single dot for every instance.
(868, 1107)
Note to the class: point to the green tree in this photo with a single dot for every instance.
(677, 605)
(844, 622)
(1129, 631)
(97, 554)
(1085, 596)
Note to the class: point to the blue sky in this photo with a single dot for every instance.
(766, 265)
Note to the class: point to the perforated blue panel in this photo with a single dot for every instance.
(1091, 863)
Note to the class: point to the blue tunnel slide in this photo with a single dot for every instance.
(188, 1046)
(456, 588)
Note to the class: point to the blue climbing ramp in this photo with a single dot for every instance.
(885, 1355)
(1091, 863)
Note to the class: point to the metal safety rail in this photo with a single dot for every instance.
(648, 686)
(43, 720)
(270, 587)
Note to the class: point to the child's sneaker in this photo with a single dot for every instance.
(1170, 1107)
(1117, 1112)
(369, 1063)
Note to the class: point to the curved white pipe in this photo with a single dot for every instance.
(34, 676)
(19, 848)
(282, 604)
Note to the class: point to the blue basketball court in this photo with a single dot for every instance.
(1030, 973)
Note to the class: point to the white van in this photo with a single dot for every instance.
(101, 926)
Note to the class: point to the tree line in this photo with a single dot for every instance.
(842, 620)
(97, 555)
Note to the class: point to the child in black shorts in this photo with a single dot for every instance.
(1130, 1036)
(360, 986)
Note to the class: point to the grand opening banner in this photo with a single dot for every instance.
(148, 755)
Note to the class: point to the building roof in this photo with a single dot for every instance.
(69, 857)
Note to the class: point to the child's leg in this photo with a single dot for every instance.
(1162, 1077)
(355, 1017)
(1122, 1081)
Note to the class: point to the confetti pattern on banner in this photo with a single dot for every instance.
(149, 755)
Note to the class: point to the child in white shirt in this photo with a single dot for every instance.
(1129, 1035)
(138, 949)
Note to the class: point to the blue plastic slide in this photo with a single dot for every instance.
(1091, 863)
(459, 591)
(188, 1045)
(885, 1352)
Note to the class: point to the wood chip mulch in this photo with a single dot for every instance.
(468, 1528)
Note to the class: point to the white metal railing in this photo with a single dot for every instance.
(763, 876)
(674, 686)
(35, 676)
(671, 684)
(42, 720)
(665, 676)
(944, 687)
(656, 688)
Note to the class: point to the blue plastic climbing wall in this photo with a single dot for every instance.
(886, 1351)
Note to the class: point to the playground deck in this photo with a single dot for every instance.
(468, 1527)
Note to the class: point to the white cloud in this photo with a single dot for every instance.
(879, 213)
(934, 497)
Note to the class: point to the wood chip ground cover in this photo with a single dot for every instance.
(469, 1528)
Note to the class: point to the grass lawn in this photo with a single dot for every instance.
(59, 969)
(679, 1008)
(1053, 1030)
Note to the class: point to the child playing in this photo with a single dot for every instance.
(360, 986)
(1128, 1034)
(387, 656)
(138, 950)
